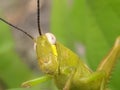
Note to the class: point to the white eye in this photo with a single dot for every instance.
(51, 38)
(35, 46)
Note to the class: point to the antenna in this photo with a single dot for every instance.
(38, 17)
(17, 28)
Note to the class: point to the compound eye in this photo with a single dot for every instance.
(51, 38)
(35, 46)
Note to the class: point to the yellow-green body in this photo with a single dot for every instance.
(73, 69)
(69, 71)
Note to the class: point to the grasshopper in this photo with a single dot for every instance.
(65, 67)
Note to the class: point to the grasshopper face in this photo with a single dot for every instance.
(47, 54)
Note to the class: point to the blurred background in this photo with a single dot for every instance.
(88, 27)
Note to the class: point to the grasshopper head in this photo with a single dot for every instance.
(46, 53)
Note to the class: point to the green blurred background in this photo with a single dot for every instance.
(88, 27)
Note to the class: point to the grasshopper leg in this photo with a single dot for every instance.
(109, 61)
(95, 81)
(68, 83)
(36, 81)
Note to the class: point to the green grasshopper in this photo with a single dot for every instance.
(65, 67)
